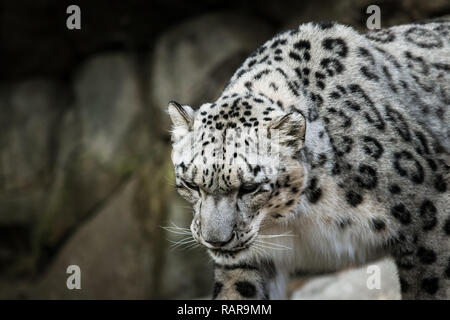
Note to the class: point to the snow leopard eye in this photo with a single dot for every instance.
(248, 188)
(190, 185)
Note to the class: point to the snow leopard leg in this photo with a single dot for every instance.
(261, 281)
(424, 270)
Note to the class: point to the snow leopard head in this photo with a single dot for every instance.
(237, 162)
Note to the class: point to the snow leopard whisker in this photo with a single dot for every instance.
(183, 207)
(277, 245)
(178, 227)
(272, 246)
(182, 242)
(177, 231)
(268, 236)
(193, 246)
(170, 179)
(267, 247)
(264, 248)
(182, 246)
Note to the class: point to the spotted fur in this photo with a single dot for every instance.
(327, 149)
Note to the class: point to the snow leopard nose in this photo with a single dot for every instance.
(219, 244)
(218, 219)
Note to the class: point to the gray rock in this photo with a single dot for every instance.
(193, 61)
(102, 140)
(109, 103)
(30, 112)
(352, 285)
(112, 253)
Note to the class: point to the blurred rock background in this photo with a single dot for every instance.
(85, 171)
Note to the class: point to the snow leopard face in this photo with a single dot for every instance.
(238, 169)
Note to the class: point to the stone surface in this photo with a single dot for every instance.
(351, 285)
(100, 144)
(194, 60)
(110, 250)
(30, 113)
(109, 103)
(29, 116)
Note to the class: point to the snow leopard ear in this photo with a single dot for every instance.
(291, 128)
(182, 116)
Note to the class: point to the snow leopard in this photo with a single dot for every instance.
(327, 149)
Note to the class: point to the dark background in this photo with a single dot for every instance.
(85, 171)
